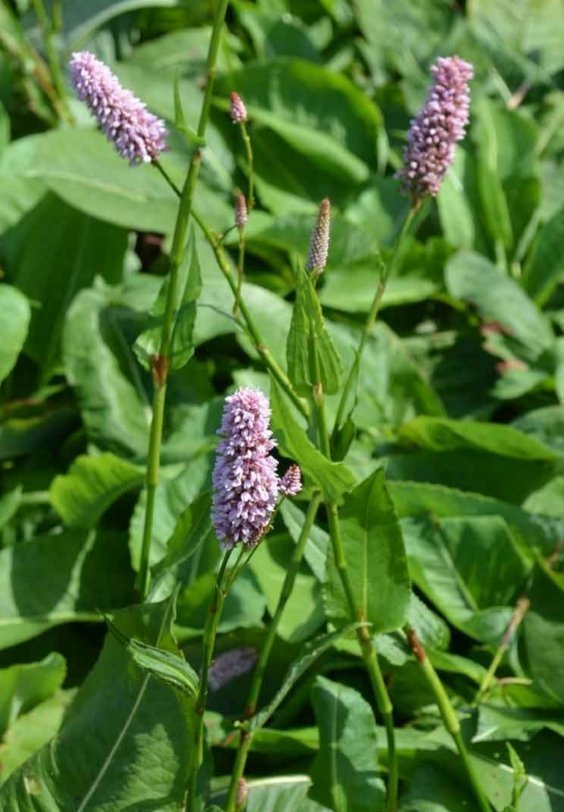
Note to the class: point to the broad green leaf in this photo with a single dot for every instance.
(17, 314)
(165, 665)
(500, 299)
(497, 723)
(22, 687)
(114, 407)
(545, 267)
(334, 478)
(282, 794)
(91, 486)
(188, 289)
(309, 340)
(375, 559)
(455, 211)
(141, 751)
(309, 654)
(543, 632)
(317, 544)
(344, 771)
(62, 578)
(74, 249)
(442, 434)
(470, 568)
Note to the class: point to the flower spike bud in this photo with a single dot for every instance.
(238, 111)
(241, 213)
(242, 795)
(291, 483)
(319, 241)
(245, 484)
(231, 664)
(433, 133)
(137, 135)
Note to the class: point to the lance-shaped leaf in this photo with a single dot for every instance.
(344, 772)
(334, 478)
(308, 337)
(375, 558)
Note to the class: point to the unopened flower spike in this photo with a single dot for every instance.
(319, 241)
(241, 212)
(245, 484)
(238, 111)
(291, 483)
(137, 135)
(433, 133)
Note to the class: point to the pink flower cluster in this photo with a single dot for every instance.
(436, 129)
(138, 135)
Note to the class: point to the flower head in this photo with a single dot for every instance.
(319, 241)
(231, 664)
(237, 111)
(138, 135)
(291, 483)
(244, 477)
(241, 212)
(436, 129)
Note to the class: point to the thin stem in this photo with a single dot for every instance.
(252, 330)
(240, 270)
(250, 162)
(210, 633)
(47, 28)
(517, 616)
(386, 271)
(365, 641)
(245, 736)
(160, 361)
(448, 714)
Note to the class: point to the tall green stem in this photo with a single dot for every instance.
(245, 736)
(210, 633)
(250, 162)
(367, 647)
(373, 313)
(160, 361)
(448, 714)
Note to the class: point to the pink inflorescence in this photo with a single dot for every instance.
(319, 240)
(138, 135)
(291, 483)
(245, 483)
(238, 109)
(230, 665)
(436, 129)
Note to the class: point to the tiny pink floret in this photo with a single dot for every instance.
(238, 110)
(291, 483)
(137, 135)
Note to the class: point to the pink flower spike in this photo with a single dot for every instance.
(137, 135)
(291, 483)
(436, 129)
(245, 485)
(238, 111)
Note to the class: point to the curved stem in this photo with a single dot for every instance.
(385, 272)
(250, 162)
(210, 633)
(160, 361)
(448, 714)
(245, 736)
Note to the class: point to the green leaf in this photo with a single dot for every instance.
(165, 665)
(470, 568)
(113, 405)
(188, 289)
(498, 298)
(74, 249)
(91, 486)
(62, 578)
(282, 793)
(543, 632)
(22, 687)
(334, 478)
(317, 544)
(375, 559)
(343, 773)
(17, 314)
(308, 338)
(310, 653)
(141, 751)
(545, 267)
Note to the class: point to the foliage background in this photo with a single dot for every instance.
(460, 399)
